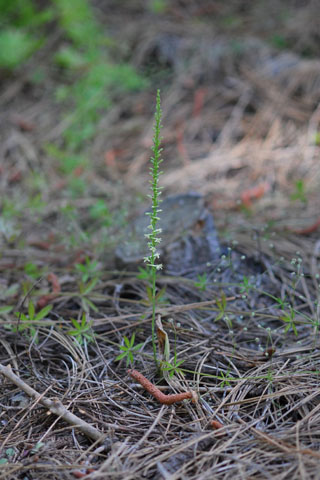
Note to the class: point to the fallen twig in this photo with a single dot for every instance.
(55, 406)
(158, 395)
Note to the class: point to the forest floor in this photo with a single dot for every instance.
(240, 89)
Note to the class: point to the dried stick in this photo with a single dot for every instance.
(161, 397)
(55, 406)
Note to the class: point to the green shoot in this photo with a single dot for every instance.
(225, 379)
(153, 236)
(245, 286)
(222, 305)
(87, 269)
(28, 322)
(201, 284)
(159, 298)
(84, 290)
(82, 331)
(289, 319)
(172, 368)
(300, 192)
(128, 349)
(145, 274)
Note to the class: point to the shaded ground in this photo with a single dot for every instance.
(241, 121)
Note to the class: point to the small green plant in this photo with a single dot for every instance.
(87, 60)
(153, 236)
(88, 269)
(84, 290)
(82, 331)
(300, 192)
(129, 349)
(32, 270)
(15, 47)
(160, 298)
(28, 322)
(145, 274)
(99, 211)
(222, 305)
(158, 6)
(279, 41)
(289, 319)
(173, 368)
(20, 35)
(202, 282)
(226, 379)
(169, 367)
(245, 286)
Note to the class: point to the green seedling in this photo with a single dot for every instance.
(35, 203)
(87, 270)
(32, 270)
(225, 379)
(153, 236)
(70, 58)
(289, 319)
(300, 192)
(170, 367)
(158, 6)
(145, 274)
(269, 378)
(279, 41)
(16, 47)
(222, 305)
(283, 304)
(129, 349)
(28, 322)
(202, 282)
(82, 331)
(160, 298)
(245, 286)
(84, 290)
(99, 211)
(173, 368)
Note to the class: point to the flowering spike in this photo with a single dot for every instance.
(153, 238)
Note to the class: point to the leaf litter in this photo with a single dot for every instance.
(252, 121)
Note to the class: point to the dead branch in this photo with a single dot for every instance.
(55, 406)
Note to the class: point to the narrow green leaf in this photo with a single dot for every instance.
(31, 310)
(121, 356)
(43, 313)
(132, 340)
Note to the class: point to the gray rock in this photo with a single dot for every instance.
(188, 238)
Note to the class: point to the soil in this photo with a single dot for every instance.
(240, 87)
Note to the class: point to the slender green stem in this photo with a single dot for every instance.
(154, 316)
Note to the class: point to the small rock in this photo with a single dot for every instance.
(188, 238)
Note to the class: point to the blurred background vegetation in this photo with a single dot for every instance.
(78, 82)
